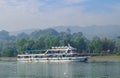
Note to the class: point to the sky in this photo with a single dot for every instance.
(18, 15)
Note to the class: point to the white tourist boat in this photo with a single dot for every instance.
(55, 54)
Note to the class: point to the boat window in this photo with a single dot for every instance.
(69, 51)
(49, 52)
(19, 57)
(26, 56)
(50, 55)
(38, 56)
(74, 51)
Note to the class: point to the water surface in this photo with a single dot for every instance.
(59, 70)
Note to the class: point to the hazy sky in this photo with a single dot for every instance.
(27, 14)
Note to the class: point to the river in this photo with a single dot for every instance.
(59, 70)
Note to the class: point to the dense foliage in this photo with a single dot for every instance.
(41, 40)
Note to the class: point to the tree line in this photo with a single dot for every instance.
(38, 41)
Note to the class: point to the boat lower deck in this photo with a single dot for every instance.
(59, 59)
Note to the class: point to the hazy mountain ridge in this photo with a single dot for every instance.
(88, 31)
(27, 31)
(91, 31)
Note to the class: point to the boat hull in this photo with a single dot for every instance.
(59, 59)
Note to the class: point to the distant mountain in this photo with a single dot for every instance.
(92, 31)
(27, 31)
(112, 31)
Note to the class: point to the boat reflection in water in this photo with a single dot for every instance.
(68, 70)
(55, 54)
(47, 70)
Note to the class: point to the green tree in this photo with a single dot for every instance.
(39, 44)
(107, 45)
(80, 44)
(30, 44)
(52, 41)
(94, 45)
(22, 45)
(117, 44)
(9, 52)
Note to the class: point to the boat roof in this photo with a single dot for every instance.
(30, 54)
(64, 47)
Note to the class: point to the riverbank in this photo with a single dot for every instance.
(8, 58)
(111, 58)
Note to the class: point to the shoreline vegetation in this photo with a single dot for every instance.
(106, 58)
